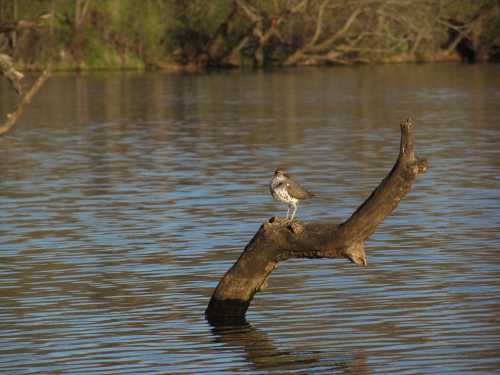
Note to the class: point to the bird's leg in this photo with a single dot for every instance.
(294, 205)
(288, 212)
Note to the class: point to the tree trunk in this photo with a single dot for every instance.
(277, 240)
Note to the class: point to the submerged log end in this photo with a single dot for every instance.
(226, 308)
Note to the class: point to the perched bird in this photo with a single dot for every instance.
(285, 190)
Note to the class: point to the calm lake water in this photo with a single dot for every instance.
(124, 197)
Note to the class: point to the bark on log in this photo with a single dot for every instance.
(277, 241)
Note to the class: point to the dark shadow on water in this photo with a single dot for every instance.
(262, 353)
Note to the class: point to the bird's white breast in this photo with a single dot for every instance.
(279, 191)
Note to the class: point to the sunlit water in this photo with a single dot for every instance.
(124, 197)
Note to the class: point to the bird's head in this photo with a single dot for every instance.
(279, 172)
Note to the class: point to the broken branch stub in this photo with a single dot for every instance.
(277, 240)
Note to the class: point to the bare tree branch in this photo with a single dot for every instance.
(464, 32)
(26, 99)
(319, 23)
(14, 76)
(261, 30)
(343, 30)
(300, 7)
(314, 47)
(250, 11)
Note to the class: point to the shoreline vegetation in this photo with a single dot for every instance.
(191, 35)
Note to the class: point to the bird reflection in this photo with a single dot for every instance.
(262, 354)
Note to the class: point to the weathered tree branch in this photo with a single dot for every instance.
(463, 32)
(300, 7)
(319, 23)
(10, 72)
(263, 29)
(250, 11)
(325, 47)
(340, 33)
(25, 100)
(276, 240)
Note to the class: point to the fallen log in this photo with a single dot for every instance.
(278, 240)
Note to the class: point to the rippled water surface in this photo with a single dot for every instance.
(124, 197)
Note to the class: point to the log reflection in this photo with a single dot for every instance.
(262, 354)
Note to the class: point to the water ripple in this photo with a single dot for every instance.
(116, 225)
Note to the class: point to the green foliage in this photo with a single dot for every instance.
(462, 11)
(138, 34)
(192, 24)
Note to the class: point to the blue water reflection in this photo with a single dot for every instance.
(124, 197)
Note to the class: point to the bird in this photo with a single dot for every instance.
(284, 189)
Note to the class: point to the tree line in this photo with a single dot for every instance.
(93, 34)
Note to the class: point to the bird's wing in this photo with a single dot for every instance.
(297, 191)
